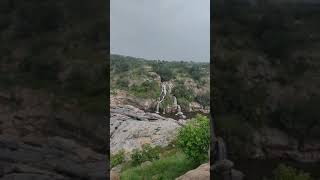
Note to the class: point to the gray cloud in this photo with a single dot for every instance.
(161, 29)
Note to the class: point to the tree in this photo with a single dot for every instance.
(194, 138)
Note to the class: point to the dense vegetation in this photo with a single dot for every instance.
(194, 139)
(169, 167)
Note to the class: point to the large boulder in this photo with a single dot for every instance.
(200, 173)
(131, 127)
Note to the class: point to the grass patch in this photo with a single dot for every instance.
(117, 158)
(168, 167)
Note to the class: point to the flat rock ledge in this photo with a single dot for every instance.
(131, 127)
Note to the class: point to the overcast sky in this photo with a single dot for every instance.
(161, 29)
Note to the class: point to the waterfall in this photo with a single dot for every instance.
(221, 151)
(166, 87)
(175, 103)
(179, 109)
(157, 108)
(163, 93)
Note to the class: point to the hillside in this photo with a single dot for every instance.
(139, 81)
(152, 102)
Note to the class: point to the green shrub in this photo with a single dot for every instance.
(117, 158)
(184, 103)
(148, 89)
(181, 91)
(194, 139)
(284, 172)
(167, 168)
(168, 101)
(122, 83)
(164, 70)
(147, 153)
(204, 99)
(196, 72)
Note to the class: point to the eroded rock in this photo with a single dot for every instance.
(131, 127)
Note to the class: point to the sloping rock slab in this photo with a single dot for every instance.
(130, 128)
(201, 173)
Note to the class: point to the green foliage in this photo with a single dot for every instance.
(168, 101)
(121, 64)
(194, 138)
(117, 158)
(122, 83)
(147, 153)
(195, 72)
(284, 172)
(182, 92)
(166, 168)
(204, 99)
(184, 103)
(164, 70)
(150, 89)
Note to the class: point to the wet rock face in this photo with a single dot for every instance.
(200, 173)
(54, 158)
(131, 127)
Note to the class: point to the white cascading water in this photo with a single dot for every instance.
(163, 94)
(175, 103)
(158, 106)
